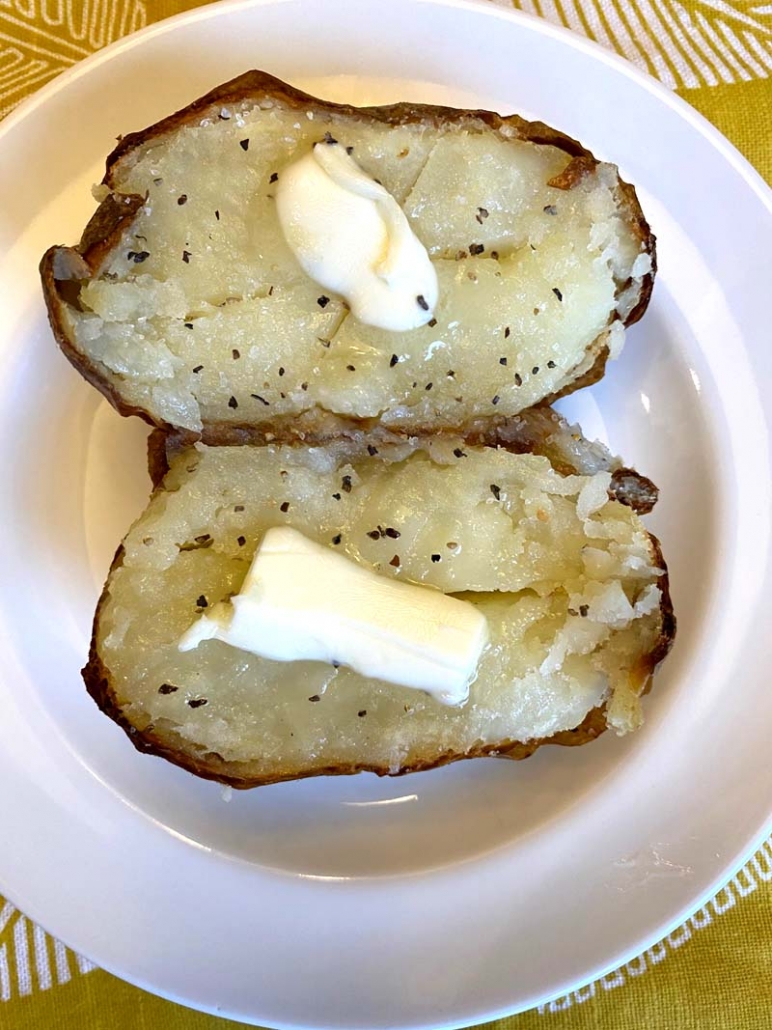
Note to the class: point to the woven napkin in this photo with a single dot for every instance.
(714, 972)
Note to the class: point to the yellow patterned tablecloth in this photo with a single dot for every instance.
(714, 972)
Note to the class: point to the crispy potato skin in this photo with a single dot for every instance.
(536, 434)
(61, 266)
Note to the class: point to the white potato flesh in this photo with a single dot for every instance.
(572, 612)
(549, 265)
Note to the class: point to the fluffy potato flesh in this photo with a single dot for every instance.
(569, 582)
(201, 314)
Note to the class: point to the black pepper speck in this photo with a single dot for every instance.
(233, 403)
(244, 144)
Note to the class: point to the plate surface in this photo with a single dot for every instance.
(454, 896)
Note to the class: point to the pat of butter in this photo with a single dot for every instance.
(351, 236)
(303, 601)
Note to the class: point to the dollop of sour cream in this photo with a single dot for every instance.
(351, 236)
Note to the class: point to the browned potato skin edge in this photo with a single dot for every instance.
(213, 767)
(110, 219)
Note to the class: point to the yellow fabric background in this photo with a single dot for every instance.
(715, 973)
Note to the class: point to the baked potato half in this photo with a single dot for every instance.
(573, 587)
(184, 304)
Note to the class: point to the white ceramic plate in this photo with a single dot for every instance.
(449, 897)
